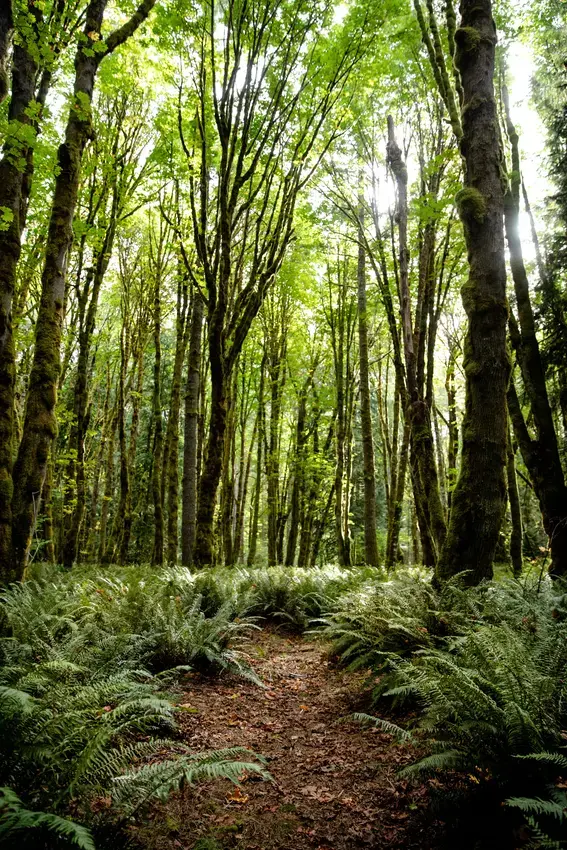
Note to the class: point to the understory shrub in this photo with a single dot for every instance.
(87, 728)
(493, 701)
(295, 596)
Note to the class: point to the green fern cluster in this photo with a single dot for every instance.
(295, 596)
(494, 707)
(26, 829)
(83, 716)
(400, 615)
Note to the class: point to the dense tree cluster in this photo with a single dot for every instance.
(233, 240)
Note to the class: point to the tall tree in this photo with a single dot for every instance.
(479, 497)
(40, 423)
(370, 538)
(253, 149)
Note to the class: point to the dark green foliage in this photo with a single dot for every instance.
(37, 829)
(82, 716)
(294, 597)
(493, 698)
(399, 616)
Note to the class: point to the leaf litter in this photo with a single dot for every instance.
(335, 783)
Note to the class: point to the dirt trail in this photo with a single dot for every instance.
(335, 782)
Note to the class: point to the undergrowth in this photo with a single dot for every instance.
(87, 658)
(90, 660)
(485, 667)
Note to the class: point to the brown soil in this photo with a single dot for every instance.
(335, 782)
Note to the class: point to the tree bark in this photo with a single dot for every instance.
(204, 548)
(425, 480)
(171, 448)
(542, 456)
(6, 27)
(24, 72)
(453, 447)
(298, 473)
(480, 494)
(108, 488)
(192, 397)
(253, 537)
(370, 539)
(157, 469)
(516, 536)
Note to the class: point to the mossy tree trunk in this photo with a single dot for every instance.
(108, 445)
(311, 503)
(6, 28)
(245, 394)
(254, 522)
(243, 482)
(39, 422)
(425, 480)
(157, 419)
(225, 533)
(301, 437)
(479, 497)
(24, 72)
(276, 323)
(123, 515)
(517, 534)
(453, 428)
(190, 467)
(370, 538)
(541, 455)
(171, 446)
(341, 317)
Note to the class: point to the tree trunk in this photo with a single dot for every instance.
(48, 515)
(453, 448)
(171, 449)
(516, 537)
(480, 495)
(244, 478)
(190, 470)
(320, 527)
(311, 501)
(6, 27)
(123, 516)
(204, 549)
(551, 499)
(276, 350)
(370, 539)
(425, 481)
(40, 424)
(226, 508)
(395, 521)
(157, 470)
(108, 489)
(253, 538)
(298, 474)
(24, 71)
(542, 457)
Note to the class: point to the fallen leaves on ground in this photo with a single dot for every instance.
(335, 782)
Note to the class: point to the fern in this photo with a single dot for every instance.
(537, 806)
(16, 822)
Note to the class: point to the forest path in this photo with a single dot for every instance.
(335, 785)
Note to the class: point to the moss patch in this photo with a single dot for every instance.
(471, 205)
(468, 39)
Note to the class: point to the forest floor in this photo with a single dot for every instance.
(335, 781)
